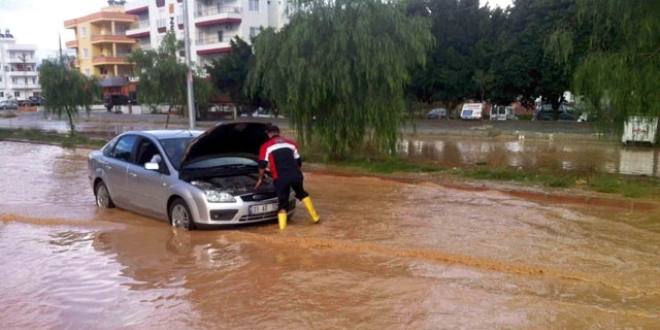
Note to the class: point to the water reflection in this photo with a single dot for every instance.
(553, 155)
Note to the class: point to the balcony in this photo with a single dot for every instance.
(103, 16)
(136, 7)
(17, 73)
(213, 44)
(139, 30)
(218, 15)
(117, 37)
(103, 60)
(19, 60)
(71, 44)
(20, 85)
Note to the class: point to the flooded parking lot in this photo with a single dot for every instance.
(534, 154)
(387, 255)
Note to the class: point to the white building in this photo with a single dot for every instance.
(19, 78)
(212, 22)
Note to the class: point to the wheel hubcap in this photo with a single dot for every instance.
(102, 198)
(180, 217)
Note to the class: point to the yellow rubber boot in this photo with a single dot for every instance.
(281, 218)
(310, 208)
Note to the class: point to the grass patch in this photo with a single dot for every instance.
(6, 115)
(389, 166)
(628, 186)
(37, 135)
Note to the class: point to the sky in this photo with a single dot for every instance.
(40, 22)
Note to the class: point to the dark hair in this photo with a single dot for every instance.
(273, 129)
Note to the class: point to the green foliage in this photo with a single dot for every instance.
(38, 135)
(622, 64)
(163, 76)
(229, 74)
(344, 63)
(66, 89)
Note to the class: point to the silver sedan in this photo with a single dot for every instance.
(192, 179)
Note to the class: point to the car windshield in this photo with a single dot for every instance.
(174, 148)
(229, 162)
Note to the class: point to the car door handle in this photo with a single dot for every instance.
(108, 167)
(132, 174)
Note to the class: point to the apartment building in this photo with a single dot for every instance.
(19, 78)
(212, 23)
(102, 46)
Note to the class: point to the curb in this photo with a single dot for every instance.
(548, 197)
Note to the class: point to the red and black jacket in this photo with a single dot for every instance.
(283, 158)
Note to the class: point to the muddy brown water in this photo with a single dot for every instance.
(528, 154)
(386, 256)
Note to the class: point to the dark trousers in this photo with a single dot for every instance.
(283, 188)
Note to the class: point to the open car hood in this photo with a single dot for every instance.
(233, 137)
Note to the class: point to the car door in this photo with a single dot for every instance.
(148, 187)
(115, 169)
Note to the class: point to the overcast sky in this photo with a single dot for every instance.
(40, 22)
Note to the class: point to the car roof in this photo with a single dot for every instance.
(170, 133)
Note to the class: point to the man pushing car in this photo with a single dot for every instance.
(282, 156)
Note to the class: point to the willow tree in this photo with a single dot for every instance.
(339, 68)
(618, 45)
(66, 89)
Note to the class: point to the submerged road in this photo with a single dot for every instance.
(388, 255)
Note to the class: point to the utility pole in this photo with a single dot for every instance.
(189, 77)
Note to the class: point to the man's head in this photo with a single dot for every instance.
(272, 131)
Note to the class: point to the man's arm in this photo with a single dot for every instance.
(262, 168)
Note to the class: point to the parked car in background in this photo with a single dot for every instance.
(188, 178)
(501, 112)
(587, 117)
(37, 100)
(8, 104)
(566, 112)
(438, 113)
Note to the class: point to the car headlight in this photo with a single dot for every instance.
(214, 196)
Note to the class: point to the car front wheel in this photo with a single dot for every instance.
(103, 198)
(180, 215)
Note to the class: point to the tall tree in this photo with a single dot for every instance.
(621, 64)
(344, 63)
(162, 77)
(524, 65)
(67, 89)
(229, 73)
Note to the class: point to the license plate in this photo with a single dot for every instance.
(262, 208)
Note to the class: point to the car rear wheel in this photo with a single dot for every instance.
(103, 198)
(180, 215)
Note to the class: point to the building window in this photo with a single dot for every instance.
(34, 81)
(220, 39)
(254, 5)
(17, 94)
(85, 53)
(83, 32)
(254, 31)
(2, 94)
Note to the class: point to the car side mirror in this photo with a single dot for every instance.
(152, 166)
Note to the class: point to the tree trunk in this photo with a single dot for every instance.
(72, 126)
(167, 121)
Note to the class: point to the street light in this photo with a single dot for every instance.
(189, 78)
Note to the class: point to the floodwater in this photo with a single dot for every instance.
(387, 255)
(535, 154)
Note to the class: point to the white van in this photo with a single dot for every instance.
(500, 112)
(472, 111)
(640, 129)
